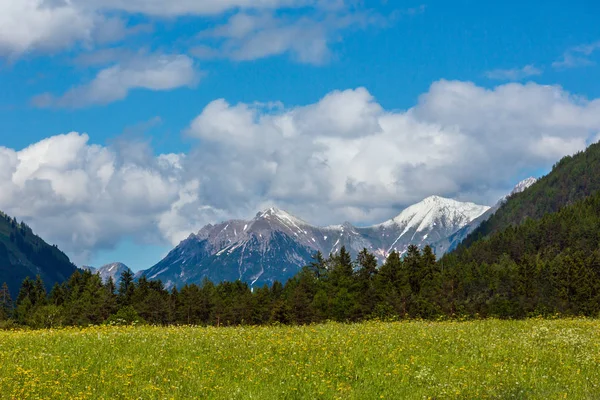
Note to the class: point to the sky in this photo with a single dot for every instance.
(126, 125)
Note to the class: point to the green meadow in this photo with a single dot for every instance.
(489, 359)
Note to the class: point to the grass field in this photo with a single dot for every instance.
(542, 359)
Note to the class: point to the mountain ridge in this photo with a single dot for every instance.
(275, 244)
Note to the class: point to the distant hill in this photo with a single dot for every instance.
(24, 254)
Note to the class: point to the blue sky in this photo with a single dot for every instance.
(316, 94)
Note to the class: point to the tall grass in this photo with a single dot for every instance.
(542, 359)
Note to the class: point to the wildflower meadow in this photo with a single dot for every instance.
(493, 359)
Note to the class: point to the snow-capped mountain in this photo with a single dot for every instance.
(450, 242)
(107, 271)
(275, 245)
(425, 223)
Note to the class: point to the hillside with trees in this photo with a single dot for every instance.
(24, 254)
(573, 178)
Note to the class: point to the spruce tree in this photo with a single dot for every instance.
(126, 289)
(57, 295)
(6, 304)
(318, 266)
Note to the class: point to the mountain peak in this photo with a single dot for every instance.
(112, 270)
(274, 212)
(437, 200)
(271, 211)
(275, 245)
(436, 209)
(523, 185)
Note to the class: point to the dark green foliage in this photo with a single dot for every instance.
(126, 288)
(572, 179)
(23, 254)
(125, 316)
(6, 304)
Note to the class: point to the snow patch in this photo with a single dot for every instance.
(159, 272)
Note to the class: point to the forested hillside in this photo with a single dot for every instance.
(572, 178)
(23, 254)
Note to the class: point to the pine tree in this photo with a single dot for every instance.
(109, 298)
(126, 289)
(39, 296)
(343, 269)
(367, 293)
(412, 261)
(57, 295)
(367, 264)
(387, 285)
(318, 266)
(6, 304)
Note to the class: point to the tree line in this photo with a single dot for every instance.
(544, 266)
(517, 284)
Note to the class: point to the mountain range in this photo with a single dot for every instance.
(108, 271)
(275, 245)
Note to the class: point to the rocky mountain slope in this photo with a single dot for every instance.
(113, 270)
(275, 245)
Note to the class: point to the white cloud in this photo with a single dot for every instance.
(514, 74)
(307, 39)
(156, 72)
(163, 8)
(33, 24)
(52, 25)
(84, 196)
(578, 56)
(343, 158)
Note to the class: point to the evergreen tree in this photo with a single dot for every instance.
(57, 295)
(39, 295)
(126, 289)
(318, 265)
(387, 286)
(6, 304)
(367, 293)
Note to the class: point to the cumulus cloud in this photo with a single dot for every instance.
(348, 158)
(156, 72)
(34, 24)
(85, 196)
(344, 157)
(514, 74)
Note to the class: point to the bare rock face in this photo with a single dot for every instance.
(275, 245)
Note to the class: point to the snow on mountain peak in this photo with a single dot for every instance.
(281, 215)
(112, 270)
(524, 184)
(428, 212)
